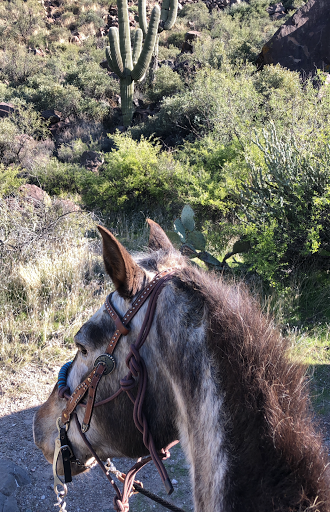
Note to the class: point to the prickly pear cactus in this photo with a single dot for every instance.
(192, 243)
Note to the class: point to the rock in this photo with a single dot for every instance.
(104, 64)
(35, 195)
(302, 43)
(67, 206)
(189, 38)
(91, 160)
(167, 62)
(51, 115)
(6, 109)
(10, 505)
(11, 476)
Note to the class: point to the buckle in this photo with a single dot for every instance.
(108, 361)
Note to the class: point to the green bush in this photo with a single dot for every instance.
(198, 14)
(9, 180)
(167, 83)
(57, 177)
(134, 175)
(286, 206)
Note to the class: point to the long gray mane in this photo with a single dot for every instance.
(270, 447)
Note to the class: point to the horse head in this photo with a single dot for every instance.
(219, 380)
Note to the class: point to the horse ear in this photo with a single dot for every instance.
(125, 274)
(158, 238)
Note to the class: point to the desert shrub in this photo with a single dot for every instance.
(286, 206)
(176, 39)
(23, 139)
(92, 80)
(50, 278)
(90, 17)
(9, 180)
(21, 19)
(72, 152)
(198, 14)
(216, 172)
(134, 175)
(167, 83)
(221, 101)
(18, 64)
(57, 177)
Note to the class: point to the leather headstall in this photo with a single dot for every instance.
(105, 364)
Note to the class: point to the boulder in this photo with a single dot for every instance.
(302, 43)
(6, 109)
(276, 11)
(91, 160)
(190, 37)
(34, 194)
(51, 115)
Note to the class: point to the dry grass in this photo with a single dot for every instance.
(51, 280)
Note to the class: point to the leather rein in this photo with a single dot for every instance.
(104, 365)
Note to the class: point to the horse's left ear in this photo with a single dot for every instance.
(125, 274)
(158, 238)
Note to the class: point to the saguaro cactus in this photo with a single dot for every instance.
(130, 66)
(167, 19)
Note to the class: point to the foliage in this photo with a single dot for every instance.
(50, 277)
(166, 83)
(57, 177)
(135, 174)
(286, 206)
(9, 180)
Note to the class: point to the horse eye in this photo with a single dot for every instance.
(81, 349)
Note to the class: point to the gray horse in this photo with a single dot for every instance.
(218, 379)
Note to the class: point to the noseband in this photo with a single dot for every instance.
(104, 365)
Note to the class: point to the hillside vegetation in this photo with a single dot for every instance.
(247, 149)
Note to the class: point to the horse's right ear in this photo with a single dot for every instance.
(125, 274)
(158, 238)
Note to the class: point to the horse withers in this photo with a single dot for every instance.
(219, 379)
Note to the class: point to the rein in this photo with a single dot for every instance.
(104, 365)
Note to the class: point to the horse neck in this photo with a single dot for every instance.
(202, 440)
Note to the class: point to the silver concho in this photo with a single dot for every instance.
(108, 360)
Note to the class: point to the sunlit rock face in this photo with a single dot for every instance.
(302, 43)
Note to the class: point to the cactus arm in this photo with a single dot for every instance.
(171, 15)
(143, 17)
(142, 64)
(137, 45)
(124, 36)
(108, 55)
(115, 57)
(165, 10)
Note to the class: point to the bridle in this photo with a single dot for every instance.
(104, 365)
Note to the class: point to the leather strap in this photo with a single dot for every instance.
(121, 329)
(91, 396)
(67, 454)
(121, 324)
(76, 397)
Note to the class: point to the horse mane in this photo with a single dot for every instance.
(273, 443)
(276, 453)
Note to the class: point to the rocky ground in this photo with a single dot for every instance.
(26, 481)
